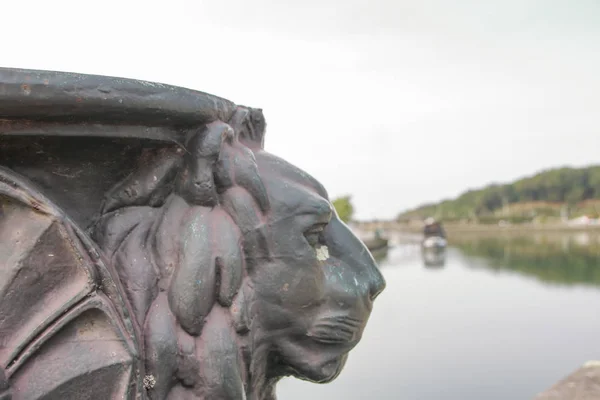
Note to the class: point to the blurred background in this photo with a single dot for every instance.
(479, 118)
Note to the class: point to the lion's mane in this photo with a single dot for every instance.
(182, 230)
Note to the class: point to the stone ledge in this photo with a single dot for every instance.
(583, 384)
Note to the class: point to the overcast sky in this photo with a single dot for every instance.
(395, 102)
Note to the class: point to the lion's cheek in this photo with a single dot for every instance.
(294, 288)
(278, 322)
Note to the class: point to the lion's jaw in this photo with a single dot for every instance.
(309, 341)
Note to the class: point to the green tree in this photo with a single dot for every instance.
(344, 208)
(559, 185)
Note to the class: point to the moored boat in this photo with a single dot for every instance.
(434, 242)
(434, 236)
(376, 242)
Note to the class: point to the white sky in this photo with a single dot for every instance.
(396, 102)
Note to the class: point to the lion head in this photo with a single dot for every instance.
(237, 267)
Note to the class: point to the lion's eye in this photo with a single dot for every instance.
(314, 234)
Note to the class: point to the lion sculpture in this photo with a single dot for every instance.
(210, 270)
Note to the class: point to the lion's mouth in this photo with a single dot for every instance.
(336, 330)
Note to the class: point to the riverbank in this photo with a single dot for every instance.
(519, 228)
(466, 228)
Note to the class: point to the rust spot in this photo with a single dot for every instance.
(79, 99)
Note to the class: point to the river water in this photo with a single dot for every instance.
(501, 319)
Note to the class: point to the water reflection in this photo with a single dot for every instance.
(558, 259)
(434, 258)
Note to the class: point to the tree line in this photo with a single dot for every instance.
(550, 191)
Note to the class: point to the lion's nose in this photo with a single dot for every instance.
(377, 284)
(343, 244)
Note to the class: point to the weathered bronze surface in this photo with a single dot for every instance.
(150, 248)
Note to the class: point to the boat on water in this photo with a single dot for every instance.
(434, 257)
(434, 236)
(434, 242)
(376, 242)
